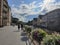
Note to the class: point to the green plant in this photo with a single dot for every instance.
(28, 29)
(42, 32)
(53, 39)
(34, 35)
(38, 35)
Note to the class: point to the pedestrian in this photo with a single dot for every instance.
(18, 27)
(22, 26)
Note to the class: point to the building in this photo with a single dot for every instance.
(5, 13)
(39, 20)
(9, 16)
(34, 22)
(44, 21)
(51, 20)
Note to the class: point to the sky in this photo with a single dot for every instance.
(26, 10)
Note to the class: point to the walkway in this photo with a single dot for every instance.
(10, 35)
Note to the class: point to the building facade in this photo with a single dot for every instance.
(44, 21)
(34, 22)
(5, 13)
(9, 16)
(51, 20)
(39, 20)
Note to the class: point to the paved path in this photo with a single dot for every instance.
(10, 35)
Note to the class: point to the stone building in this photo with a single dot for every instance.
(5, 13)
(9, 16)
(51, 20)
(44, 21)
(35, 22)
(39, 20)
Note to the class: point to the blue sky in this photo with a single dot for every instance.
(26, 10)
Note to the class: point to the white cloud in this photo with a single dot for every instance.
(26, 8)
(49, 5)
(29, 9)
(22, 18)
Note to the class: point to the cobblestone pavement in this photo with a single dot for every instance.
(10, 35)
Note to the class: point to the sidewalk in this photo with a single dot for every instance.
(10, 35)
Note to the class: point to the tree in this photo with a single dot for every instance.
(29, 23)
(15, 20)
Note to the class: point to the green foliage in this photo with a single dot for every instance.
(14, 20)
(53, 39)
(42, 32)
(38, 35)
(28, 29)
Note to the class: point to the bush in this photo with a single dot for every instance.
(38, 35)
(51, 39)
(57, 42)
(42, 32)
(34, 35)
(28, 29)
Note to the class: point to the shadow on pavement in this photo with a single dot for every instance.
(23, 34)
(25, 39)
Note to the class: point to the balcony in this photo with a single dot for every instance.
(5, 9)
(5, 4)
(4, 18)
